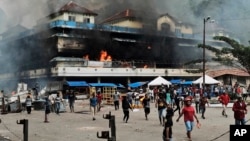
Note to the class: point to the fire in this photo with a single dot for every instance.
(104, 56)
(86, 57)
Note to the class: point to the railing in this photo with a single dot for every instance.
(76, 62)
(91, 26)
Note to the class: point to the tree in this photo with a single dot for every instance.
(237, 55)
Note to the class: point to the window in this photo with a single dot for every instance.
(165, 27)
(86, 20)
(72, 18)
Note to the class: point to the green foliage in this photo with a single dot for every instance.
(230, 56)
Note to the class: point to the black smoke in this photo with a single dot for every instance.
(229, 14)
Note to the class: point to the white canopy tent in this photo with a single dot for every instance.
(159, 81)
(208, 80)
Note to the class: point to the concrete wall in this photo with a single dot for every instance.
(78, 17)
(129, 23)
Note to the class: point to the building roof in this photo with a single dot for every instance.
(128, 13)
(74, 7)
(175, 20)
(235, 72)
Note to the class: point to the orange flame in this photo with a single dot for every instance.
(86, 57)
(104, 56)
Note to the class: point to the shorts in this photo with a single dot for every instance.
(147, 110)
(189, 125)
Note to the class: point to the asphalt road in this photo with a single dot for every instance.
(80, 126)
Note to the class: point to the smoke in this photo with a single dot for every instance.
(229, 14)
(232, 15)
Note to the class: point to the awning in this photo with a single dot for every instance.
(176, 81)
(120, 86)
(102, 84)
(77, 83)
(137, 84)
(187, 83)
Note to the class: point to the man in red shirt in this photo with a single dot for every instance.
(189, 114)
(240, 109)
(224, 100)
(99, 100)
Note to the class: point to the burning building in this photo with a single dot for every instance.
(69, 44)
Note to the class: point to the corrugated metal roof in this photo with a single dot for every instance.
(129, 13)
(236, 72)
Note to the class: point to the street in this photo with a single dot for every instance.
(80, 126)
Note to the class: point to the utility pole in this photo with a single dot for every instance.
(204, 54)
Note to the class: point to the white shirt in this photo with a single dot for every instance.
(197, 97)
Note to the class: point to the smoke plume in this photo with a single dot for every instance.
(230, 15)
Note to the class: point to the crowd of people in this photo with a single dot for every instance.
(167, 99)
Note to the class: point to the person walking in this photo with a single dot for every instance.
(197, 98)
(240, 110)
(52, 102)
(99, 100)
(146, 105)
(168, 97)
(151, 94)
(161, 105)
(224, 100)
(178, 103)
(58, 101)
(155, 93)
(116, 97)
(244, 93)
(126, 106)
(47, 109)
(137, 99)
(167, 131)
(93, 101)
(202, 105)
(129, 96)
(71, 98)
(28, 102)
(189, 114)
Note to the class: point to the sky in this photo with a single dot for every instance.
(232, 15)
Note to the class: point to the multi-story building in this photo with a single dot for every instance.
(69, 45)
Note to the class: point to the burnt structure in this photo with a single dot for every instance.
(72, 32)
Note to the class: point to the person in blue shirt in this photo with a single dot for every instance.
(93, 103)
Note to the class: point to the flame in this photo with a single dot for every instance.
(104, 56)
(109, 58)
(86, 57)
